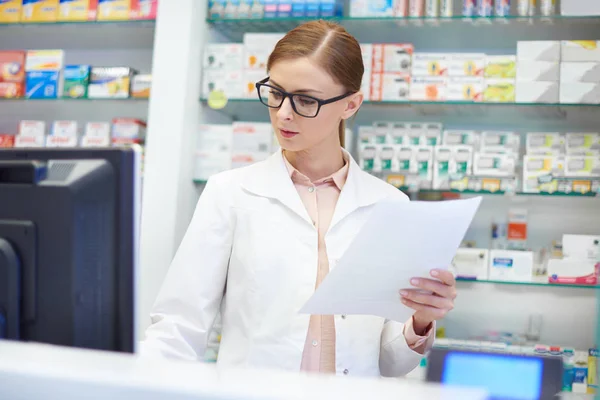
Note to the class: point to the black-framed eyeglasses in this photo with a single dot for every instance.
(303, 105)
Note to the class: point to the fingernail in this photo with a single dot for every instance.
(414, 282)
(403, 300)
(403, 293)
(434, 273)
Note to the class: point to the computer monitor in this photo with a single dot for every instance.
(69, 223)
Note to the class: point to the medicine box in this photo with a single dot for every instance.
(500, 66)
(471, 263)
(580, 50)
(573, 271)
(430, 64)
(515, 266)
(10, 11)
(77, 10)
(229, 82)
(330, 8)
(415, 167)
(366, 8)
(414, 133)
(390, 86)
(146, 9)
(469, 88)
(461, 137)
(395, 57)
(12, 74)
(7, 141)
(499, 91)
(367, 156)
(141, 86)
(30, 141)
(365, 86)
(228, 56)
(110, 82)
(582, 166)
(583, 144)
(312, 8)
(115, 10)
(366, 134)
(538, 50)
(64, 128)
(399, 133)
(580, 93)
(97, 129)
(537, 92)
(581, 247)
(216, 9)
(500, 142)
(428, 88)
(44, 60)
(128, 130)
(494, 165)
(39, 10)
(541, 173)
(43, 85)
(387, 161)
(77, 79)
(451, 163)
(32, 128)
(213, 150)
(546, 71)
(580, 72)
(257, 49)
(382, 133)
(466, 64)
(61, 141)
(367, 55)
(542, 143)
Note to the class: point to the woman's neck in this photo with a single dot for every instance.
(316, 163)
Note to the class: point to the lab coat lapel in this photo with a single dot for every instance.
(271, 179)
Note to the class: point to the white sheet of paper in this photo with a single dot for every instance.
(401, 240)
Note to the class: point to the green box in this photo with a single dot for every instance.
(77, 80)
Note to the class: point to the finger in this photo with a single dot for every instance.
(437, 313)
(446, 277)
(436, 287)
(428, 299)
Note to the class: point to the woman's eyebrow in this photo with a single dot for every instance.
(296, 91)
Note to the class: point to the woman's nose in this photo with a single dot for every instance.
(285, 112)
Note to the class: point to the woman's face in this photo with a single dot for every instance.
(303, 76)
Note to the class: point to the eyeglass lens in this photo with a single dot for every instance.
(305, 106)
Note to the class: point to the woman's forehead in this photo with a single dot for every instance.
(301, 74)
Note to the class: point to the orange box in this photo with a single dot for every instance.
(144, 9)
(7, 141)
(12, 74)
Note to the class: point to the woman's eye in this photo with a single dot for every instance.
(307, 102)
(275, 94)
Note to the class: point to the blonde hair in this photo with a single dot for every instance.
(334, 50)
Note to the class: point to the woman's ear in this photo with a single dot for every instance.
(353, 104)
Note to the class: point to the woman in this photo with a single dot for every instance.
(263, 237)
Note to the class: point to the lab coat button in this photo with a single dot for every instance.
(346, 372)
(311, 189)
(315, 343)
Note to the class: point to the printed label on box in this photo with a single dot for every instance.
(39, 10)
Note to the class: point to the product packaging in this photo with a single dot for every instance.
(388, 163)
(485, 8)
(573, 272)
(466, 64)
(578, 247)
(583, 144)
(10, 11)
(145, 9)
(451, 165)
(469, 8)
(582, 166)
(43, 69)
(416, 8)
(580, 51)
(393, 57)
(502, 8)
(532, 9)
(399, 133)
(39, 11)
(523, 7)
(538, 50)
(517, 228)
(77, 10)
(12, 74)
(251, 143)
(494, 165)
(141, 86)
(110, 82)
(447, 8)
(542, 143)
(543, 173)
(367, 156)
(365, 8)
(515, 266)
(428, 88)
(126, 131)
(415, 167)
(593, 371)
(415, 133)
(500, 66)
(432, 8)
(538, 71)
(537, 92)
(499, 142)
(547, 7)
(430, 64)
(97, 134)
(231, 83)
(7, 141)
(580, 72)
(116, 10)
(382, 132)
(461, 137)
(499, 91)
(469, 88)
(471, 263)
(216, 9)
(257, 49)
(77, 79)
(250, 77)
(579, 93)
(213, 150)
(31, 134)
(390, 86)
(224, 56)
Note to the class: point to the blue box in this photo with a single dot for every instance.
(329, 8)
(298, 8)
(313, 8)
(271, 8)
(284, 9)
(42, 84)
(216, 8)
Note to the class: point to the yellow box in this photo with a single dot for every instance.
(39, 11)
(10, 11)
(115, 10)
(77, 10)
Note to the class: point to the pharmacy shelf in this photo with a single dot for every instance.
(141, 22)
(534, 284)
(455, 193)
(69, 99)
(234, 28)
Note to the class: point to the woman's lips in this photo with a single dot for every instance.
(287, 134)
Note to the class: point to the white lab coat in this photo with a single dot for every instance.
(251, 252)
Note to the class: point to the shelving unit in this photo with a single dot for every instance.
(549, 286)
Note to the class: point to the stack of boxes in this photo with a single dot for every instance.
(390, 71)
(465, 77)
(538, 71)
(580, 72)
(429, 77)
(275, 8)
(499, 83)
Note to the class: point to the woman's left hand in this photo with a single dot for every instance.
(434, 305)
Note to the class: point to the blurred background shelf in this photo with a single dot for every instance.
(534, 284)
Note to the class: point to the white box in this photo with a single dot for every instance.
(22, 141)
(581, 247)
(580, 72)
(432, 134)
(64, 129)
(224, 56)
(580, 50)
(468, 88)
(572, 271)
(583, 144)
(128, 129)
(61, 141)
(392, 57)
(515, 266)
(537, 92)
(580, 93)
(579, 8)
(500, 142)
(540, 173)
(230, 82)
(582, 166)
(399, 135)
(213, 150)
(250, 77)
(542, 143)
(386, 155)
(451, 162)
(367, 55)
(252, 142)
(504, 66)
(416, 165)
(367, 156)
(429, 88)
(466, 64)
(366, 8)
(383, 132)
(471, 263)
(538, 50)
(494, 165)
(91, 141)
(461, 137)
(97, 130)
(365, 86)
(415, 132)
(546, 71)
(390, 86)
(366, 134)
(257, 49)
(430, 64)
(32, 128)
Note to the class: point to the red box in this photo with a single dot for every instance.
(11, 90)
(7, 141)
(144, 9)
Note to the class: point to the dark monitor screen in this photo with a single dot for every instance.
(68, 246)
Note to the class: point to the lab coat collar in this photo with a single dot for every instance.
(271, 179)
